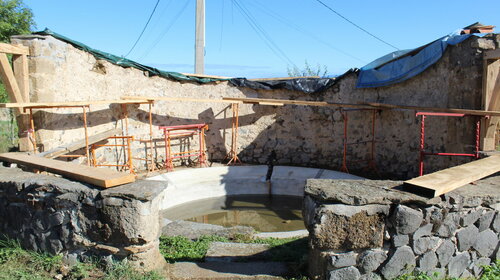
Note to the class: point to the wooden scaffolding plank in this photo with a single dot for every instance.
(69, 103)
(434, 109)
(80, 144)
(280, 102)
(14, 49)
(164, 98)
(446, 180)
(101, 177)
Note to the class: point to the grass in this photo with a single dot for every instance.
(16, 263)
(180, 248)
(290, 250)
(490, 272)
(8, 135)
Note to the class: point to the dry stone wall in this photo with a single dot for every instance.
(372, 230)
(305, 136)
(55, 215)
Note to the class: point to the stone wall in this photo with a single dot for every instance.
(372, 230)
(304, 136)
(55, 215)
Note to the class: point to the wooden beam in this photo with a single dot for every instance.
(41, 105)
(446, 180)
(14, 49)
(20, 65)
(284, 78)
(492, 54)
(490, 101)
(205, 76)
(280, 102)
(101, 177)
(9, 80)
(80, 144)
(164, 98)
(434, 109)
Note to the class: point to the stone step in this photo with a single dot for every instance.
(236, 252)
(225, 270)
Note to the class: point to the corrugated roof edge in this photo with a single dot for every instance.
(124, 62)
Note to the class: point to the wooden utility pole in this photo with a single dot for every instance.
(199, 64)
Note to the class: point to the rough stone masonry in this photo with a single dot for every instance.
(59, 216)
(300, 135)
(371, 230)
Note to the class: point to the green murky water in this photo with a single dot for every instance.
(264, 214)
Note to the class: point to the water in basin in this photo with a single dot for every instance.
(262, 212)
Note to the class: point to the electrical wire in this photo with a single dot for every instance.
(359, 27)
(165, 31)
(263, 34)
(144, 29)
(301, 30)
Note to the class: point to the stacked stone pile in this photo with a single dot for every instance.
(368, 230)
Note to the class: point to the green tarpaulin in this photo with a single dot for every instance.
(127, 62)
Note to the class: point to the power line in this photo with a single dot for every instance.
(262, 33)
(301, 30)
(144, 29)
(359, 27)
(165, 31)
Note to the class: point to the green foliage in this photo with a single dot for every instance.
(308, 71)
(180, 248)
(16, 263)
(491, 272)
(4, 98)
(15, 18)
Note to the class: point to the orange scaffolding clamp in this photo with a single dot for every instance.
(171, 132)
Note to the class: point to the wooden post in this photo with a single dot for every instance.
(491, 99)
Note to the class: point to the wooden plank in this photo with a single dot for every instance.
(205, 76)
(446, 180)
(69, 103)
(280, 102)
(101, 177)
(20, 65)
(9, 80)
(14, 49)
(492, 54)
(434, 109)
(491, 101)
(80, 144)
(283, 79)
(164, 98)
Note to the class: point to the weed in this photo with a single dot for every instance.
(491, 272)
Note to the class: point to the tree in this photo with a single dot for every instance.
(308, 71)
(15, 19)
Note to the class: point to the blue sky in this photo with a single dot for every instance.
(298, 30)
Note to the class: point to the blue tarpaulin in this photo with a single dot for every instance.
(402, 65)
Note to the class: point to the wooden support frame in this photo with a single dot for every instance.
(490, 99)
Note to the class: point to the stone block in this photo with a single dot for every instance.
(477, 266)
(401, 262)
(371, 260)
(495, 225)
(406, 220)
(445, 251)
(486, 243)
(458, 264)
(485, 220)
(399, 240)
(428, 261)
(425, 244)
(425, 230)
(470, 218)
(346, 273)
(370, 276)
(466, 237)
(449, 225)
(348, 228)
(339, 260)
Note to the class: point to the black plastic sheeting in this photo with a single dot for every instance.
(306, 85)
